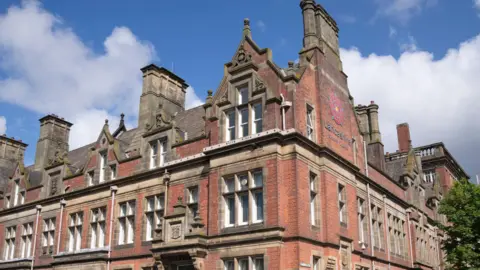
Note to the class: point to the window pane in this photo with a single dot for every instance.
(243, 264)
(229, 185)
(193, 195)
(230, 125)
(257, 118)
(243, 123)
(257, 179)
(258, 265)
(229, 265)
(258, 204)
(230, 210)
(150, 203)
(243, 181)
(160, 202)
(244, 208)
(243, 95)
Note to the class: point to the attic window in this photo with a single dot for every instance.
(103, 162)
(158, 151)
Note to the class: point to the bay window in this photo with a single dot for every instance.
(243, 198)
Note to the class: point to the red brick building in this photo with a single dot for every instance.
(277, 170)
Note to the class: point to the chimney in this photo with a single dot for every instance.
(54, 135)
(374, 125)
(11, 151)
(161, 89)
(403, 135)
(310, 38)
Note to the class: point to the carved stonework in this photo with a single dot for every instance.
(331, 263)
(159, 265)
(176, 231)
(198, 263)
(242, 57)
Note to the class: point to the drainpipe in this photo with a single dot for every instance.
(166, 182)
(62, 206)
(409, 236)
(385, 218)
(365, 157)
(371, 225)
(113, 189)
(285, 104)
(39, 208)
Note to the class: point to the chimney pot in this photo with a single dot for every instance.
(372, 102)
(403, 135)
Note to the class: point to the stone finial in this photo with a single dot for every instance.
(106, 121)
(179, 200)
(290, 64)
(246, 28)
(210, 92)
(122, 121)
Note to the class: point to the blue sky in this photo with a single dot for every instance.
(80, 59)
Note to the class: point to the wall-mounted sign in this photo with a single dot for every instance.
(338, 134)
(336, 108)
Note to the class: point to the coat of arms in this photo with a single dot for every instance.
(336, 108)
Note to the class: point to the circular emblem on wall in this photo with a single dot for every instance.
(336, 108)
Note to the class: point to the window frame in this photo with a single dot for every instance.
(342, 204)
(314, 204)
(128, 221)
(27, 238)
(96, 227)
(153, 217)
(48, 235)
(255, 212)
(310, 117)
(102, 166)
(75, 231)
(10, 238)
(241, 109)
(157, 152)
(251, 260)
(362, 218)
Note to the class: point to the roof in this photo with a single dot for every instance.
(396, 167)
(192, 121)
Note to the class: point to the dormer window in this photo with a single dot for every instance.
(245, 119)
(158, 152)
(103, 162)
(90, 178)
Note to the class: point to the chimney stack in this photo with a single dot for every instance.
(370, 129)
(310, 38)
(54, 136)
(403, 135)
(11, 151)
(161, 89)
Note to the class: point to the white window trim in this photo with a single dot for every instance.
(27, 237)
(157, 159)
(257, 118)
(98, 227)
(75, 227)
(311, 119)
(126, 222)
(153, 215)
(10, 238)
(250, 190)
(103, 163)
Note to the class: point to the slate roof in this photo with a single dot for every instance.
(192, 121)
(396, 167)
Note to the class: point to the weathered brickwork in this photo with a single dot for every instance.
(278, 169)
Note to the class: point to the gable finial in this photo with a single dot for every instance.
(246, 28)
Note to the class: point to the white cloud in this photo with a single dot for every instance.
(261, 25)
(51, 70)
(437, 97)
(191, 99)
(3, 125)
(410, 45)
(402, 10)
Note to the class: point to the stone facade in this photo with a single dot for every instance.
(277, 170)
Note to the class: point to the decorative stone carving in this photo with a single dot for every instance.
(331, 263)
(176, 231)
(242, 57)
(159, 264)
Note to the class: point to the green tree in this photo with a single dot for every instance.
(461, 206)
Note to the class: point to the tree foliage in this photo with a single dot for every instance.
(461, 206)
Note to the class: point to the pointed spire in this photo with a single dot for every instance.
(246, 28)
